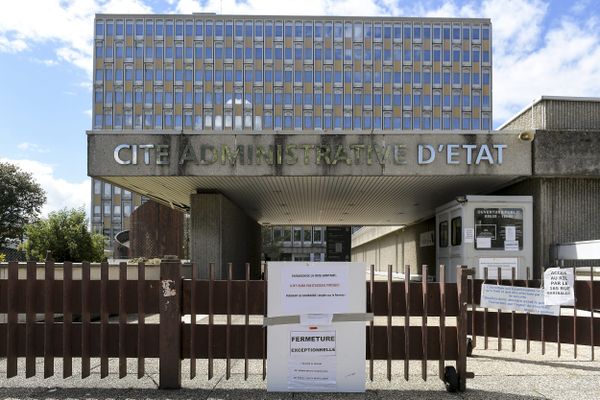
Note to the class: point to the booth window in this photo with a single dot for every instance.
(456, 231)
(443, 234)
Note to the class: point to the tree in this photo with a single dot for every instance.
(65, 234)
(21, 199)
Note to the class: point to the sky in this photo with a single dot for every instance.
(539, 48)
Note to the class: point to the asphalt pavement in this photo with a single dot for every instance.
(498, 375)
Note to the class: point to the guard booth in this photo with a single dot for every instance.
(485, 231)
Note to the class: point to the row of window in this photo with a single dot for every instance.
(306, 54)
(109, 209)
(217, 99)
(318, 77)
(107, 190)
(296, 30)
(288, 121)
(301, 235)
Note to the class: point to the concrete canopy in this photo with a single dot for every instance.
(312, 178)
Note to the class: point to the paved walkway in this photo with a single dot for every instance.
(499, 375)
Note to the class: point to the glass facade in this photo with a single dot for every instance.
(213, 72)
(195, 73)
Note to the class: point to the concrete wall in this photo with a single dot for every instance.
(564, 210)
(398, 247)
(222, 233)
(566, 153)
(156, 230)
(558, 113)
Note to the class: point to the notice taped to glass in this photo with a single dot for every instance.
(499, 229)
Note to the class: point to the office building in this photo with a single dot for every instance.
(242, 89)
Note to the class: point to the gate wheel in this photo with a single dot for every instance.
(451, 379)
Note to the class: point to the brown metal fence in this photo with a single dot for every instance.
(567, 328)
(85, 318)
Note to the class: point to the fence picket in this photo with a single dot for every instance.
(527, 272)
(512, 314)
(228, 327)
(591, 286)
(485, 313)
(499, 312)
(371, 323)
(575, 317)
(30, 320)
(48, 319)
(122, 320)
(424, 337)
(141, 298)
(85, 320)
(389, 323)
(11, 319)
(211, 289)
(193, 322)
(443, 321)
(103, 320)
(406, 320)
(67, 318)
(246, 320)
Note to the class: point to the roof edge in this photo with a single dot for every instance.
(334, 17)
(545, 98)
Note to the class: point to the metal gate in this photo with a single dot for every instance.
(576, 325)
(79, 302)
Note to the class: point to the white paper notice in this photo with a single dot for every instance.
(511, 233)
(511, 245)
(492, 264)
(469, 235)
(315, 319)
(558, 286)
(312, 343)
(515, 298)
(308, 290)
(315, 374)
(312, 361)
(484, 243)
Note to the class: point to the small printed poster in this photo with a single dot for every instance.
(427, 239)
(315, 290)
(515, 298)
(558, 286)
(312, 361)
(469, 235)
(317, 374)
(511, 245)
(511, 233)
(484, 243)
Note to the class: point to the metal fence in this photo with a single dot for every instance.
(576, 325)
(106, 318)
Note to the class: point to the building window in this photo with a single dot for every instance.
(443, 234)
(456, 231)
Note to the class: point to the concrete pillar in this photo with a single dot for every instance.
(222, 233)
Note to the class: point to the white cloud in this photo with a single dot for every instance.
(532, 55)
(32, 147)
(60, 193)
(9, 45)
(273, 7)
(67, 24)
